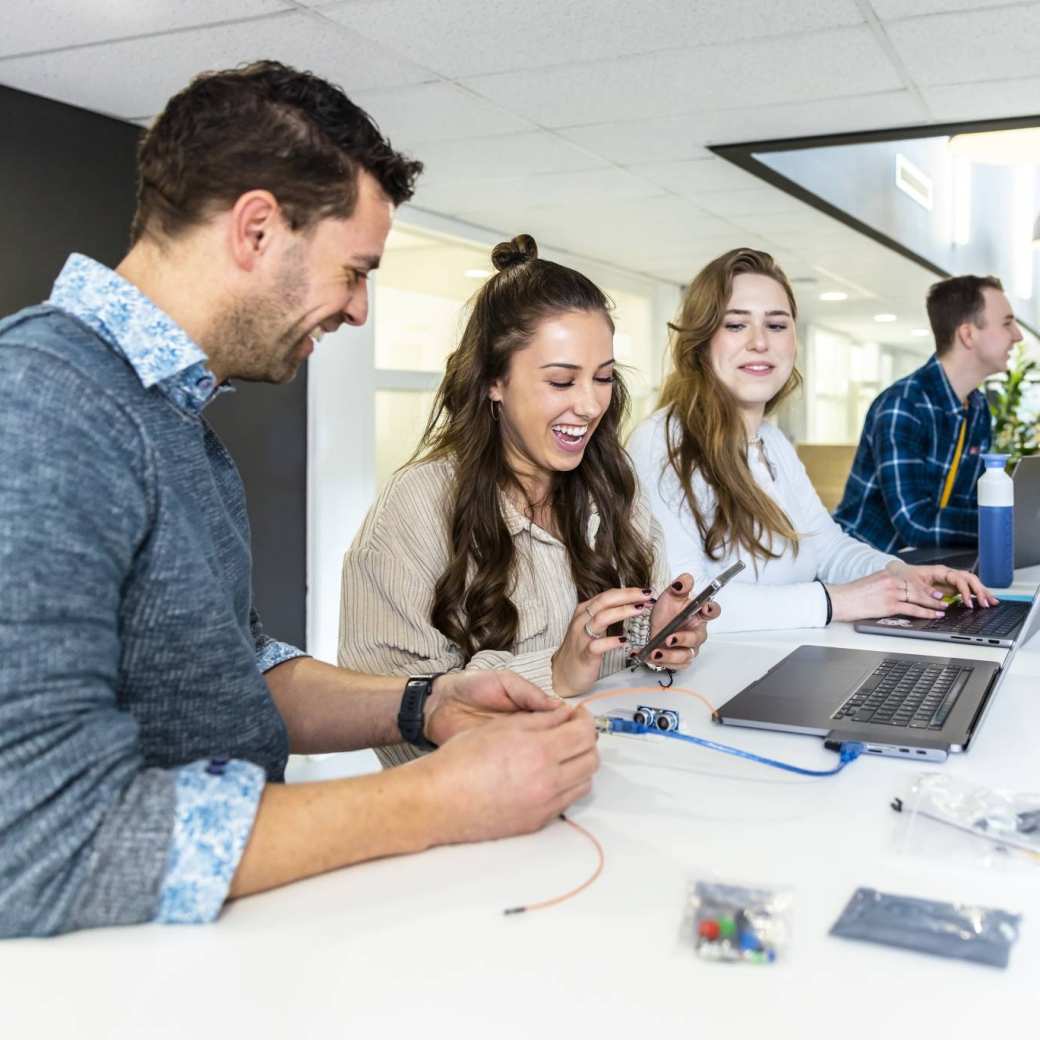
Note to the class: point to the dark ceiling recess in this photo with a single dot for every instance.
(743, 155)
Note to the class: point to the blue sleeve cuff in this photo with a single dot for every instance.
(270, 653)
(215, 809)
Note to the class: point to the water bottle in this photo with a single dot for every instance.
(996, 524)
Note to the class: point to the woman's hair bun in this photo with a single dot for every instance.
(518, 251)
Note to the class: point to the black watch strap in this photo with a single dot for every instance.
(411, 719)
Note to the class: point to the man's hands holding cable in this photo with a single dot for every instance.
(903, 589)
(511, 775)
(682, 646)
(463, 700)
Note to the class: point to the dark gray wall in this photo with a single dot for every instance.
(66, 184)
(67, 180)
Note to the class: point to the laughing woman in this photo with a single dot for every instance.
(726, 484)
(515, 538)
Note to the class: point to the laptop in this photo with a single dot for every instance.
(1026, 478)
(900, 705)
(985, 626)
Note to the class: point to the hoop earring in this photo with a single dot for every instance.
(495, 413)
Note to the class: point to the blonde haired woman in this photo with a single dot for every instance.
(726, 484)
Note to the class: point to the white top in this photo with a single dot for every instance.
(770, 594)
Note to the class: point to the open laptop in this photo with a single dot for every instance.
(1026, 478)
(903, 705)
(986, 626)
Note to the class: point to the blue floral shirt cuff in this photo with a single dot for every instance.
(215, 809)
(272, 653)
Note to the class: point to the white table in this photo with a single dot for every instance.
(419, 944)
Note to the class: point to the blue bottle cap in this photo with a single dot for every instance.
(993, 460)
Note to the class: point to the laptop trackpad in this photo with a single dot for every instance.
(804, 689)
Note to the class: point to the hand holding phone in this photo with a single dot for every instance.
(704, 596)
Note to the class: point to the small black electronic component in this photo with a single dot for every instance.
(663, 719)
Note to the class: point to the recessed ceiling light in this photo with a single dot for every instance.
(477, 272)
(919, 332)
(834, 297)
(885, 317)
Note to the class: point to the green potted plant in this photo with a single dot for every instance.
(1014, 400)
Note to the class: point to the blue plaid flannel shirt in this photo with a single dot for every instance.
(891, 500)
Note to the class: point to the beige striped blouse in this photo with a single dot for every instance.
(390, 571)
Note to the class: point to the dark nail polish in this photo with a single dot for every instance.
(672, 640)
(622, 639)
(658, 655)
(677, 585)
(648, 592)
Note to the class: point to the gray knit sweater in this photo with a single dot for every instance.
(127, 640)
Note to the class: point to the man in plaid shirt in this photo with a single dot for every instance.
(920, 454)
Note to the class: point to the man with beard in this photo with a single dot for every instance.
(145, 716)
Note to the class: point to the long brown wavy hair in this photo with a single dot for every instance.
(705, 431)
(472, 604)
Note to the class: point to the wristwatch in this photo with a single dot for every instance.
(411, 719)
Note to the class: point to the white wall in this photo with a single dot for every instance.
(340, 471)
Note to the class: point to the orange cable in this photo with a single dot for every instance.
(574, 891)
(655, 690)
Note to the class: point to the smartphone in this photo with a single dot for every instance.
(704, 596)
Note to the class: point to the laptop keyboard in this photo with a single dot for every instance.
(997, 621)
(909, 694)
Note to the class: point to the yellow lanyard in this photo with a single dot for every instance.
(954, 466)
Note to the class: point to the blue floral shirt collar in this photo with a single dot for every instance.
(156, 347)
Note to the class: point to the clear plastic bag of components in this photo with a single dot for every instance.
(960, 821)
(737, 923)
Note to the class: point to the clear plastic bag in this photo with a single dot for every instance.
(970, 933)
(952, 818)
(735, 923)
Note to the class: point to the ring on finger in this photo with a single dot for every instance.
(906, 592)
(693, 653)
(590, 633)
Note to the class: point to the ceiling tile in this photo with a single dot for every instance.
(434, 112)
(686, 137)
(506, 155)
(968, 47)
(1001, 98)
(508, 194)
(796, 221)
(135, 77)
(694, 176)
(802, 68)
(38, 25)
(889, 10)
(747, 202)
(469, 37)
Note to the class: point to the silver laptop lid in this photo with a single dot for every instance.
(1025, 633)
(1027, 511)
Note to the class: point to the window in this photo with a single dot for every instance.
(419, 309)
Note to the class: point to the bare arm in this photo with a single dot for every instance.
(326, 708)
(331, 709)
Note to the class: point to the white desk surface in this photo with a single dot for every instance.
(419, 944)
